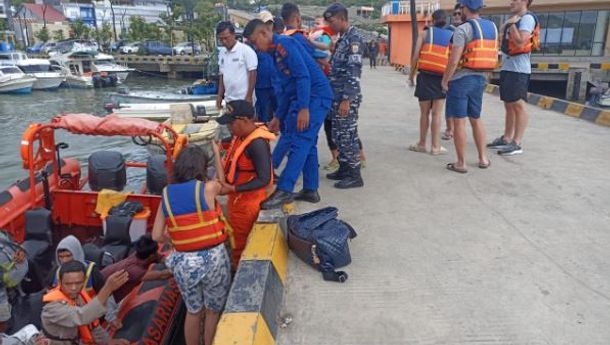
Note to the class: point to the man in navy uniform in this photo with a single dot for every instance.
(346, 64)
(304, 98)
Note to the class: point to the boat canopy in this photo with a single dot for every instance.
(109, 125)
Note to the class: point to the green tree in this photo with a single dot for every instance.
(104, 35)
(58, 35)
(204, 25)
(43, 34)
(78, 29)
(137, 29)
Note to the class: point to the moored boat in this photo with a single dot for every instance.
(46, 77)
(105, 63)
(13, 80)
(162, 111)
(126, 96)
(81, 72)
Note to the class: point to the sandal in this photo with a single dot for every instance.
(447, 136)
(485, 166)
(452, 167)
(441, 151)
(417, 148)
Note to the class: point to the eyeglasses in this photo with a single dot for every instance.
(457, 13)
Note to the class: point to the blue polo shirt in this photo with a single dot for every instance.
(264, 71)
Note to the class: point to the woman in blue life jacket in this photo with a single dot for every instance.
(191, 219)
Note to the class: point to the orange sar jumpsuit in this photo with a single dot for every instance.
(243, 171)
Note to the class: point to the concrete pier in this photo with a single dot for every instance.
(515, 254)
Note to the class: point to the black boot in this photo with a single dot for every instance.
(307, 195)
(277, 199)
(340, 174)
(353, 180)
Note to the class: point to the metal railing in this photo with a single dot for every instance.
(404, 7)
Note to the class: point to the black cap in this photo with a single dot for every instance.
(235, 110)
(333, 10)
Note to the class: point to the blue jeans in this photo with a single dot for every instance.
(465, 97)
(265, 104)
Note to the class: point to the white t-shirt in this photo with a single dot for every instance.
(234, 66)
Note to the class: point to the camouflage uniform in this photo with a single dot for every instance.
(344, 77)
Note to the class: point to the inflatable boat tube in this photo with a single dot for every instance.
(153, 313)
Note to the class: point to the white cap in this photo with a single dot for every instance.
(265, 16)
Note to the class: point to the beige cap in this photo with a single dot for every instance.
(265, 16)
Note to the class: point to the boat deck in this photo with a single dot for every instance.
(516, 254)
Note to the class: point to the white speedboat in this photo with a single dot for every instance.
(106, 63)
(162, 111)
(81, 71)
(13, 80)
(46, 77)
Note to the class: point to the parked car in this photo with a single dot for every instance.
(151, 47)
(130, 48)
(185, 48)
(47, 47)
(117, 45)
(35, 49)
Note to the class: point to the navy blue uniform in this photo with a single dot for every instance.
(265, 96)
(344, 77)
(300, 84)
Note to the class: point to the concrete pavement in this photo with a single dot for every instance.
(516, 254)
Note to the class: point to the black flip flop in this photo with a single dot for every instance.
(452, 167)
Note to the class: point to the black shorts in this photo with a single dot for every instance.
(428, 87)
(513, 86)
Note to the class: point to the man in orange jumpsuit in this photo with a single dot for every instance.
(247, 168)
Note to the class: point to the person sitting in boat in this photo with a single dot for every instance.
(248, 171)
(137, 266)
(70, 316)
(70, 249)
(191, 219)
(14, 267)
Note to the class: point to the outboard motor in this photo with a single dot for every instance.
(107, 170)
(156, 174)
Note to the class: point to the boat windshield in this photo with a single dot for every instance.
(35, 68)
(10, 70)
(104, 62)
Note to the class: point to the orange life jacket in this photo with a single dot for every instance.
(238, 167)
(509, 47)
(195, 231)
(481, 54)
(84, 331)
(434, 54)
(291, 32)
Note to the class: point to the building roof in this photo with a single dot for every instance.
(51, 14)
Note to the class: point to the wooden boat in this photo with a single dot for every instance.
(54, 192)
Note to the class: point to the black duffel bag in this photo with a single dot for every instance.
(321, 240)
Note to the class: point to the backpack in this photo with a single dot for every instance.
(321, 240)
